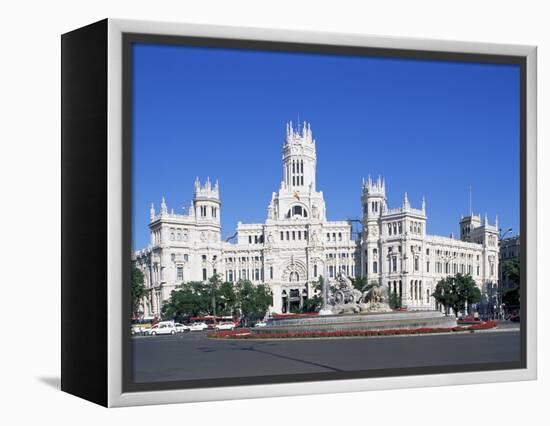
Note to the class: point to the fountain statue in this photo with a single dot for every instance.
(343, 298)
(346, 308)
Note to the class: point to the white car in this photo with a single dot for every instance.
(180, 328)
(260, 324)
(225, 326)
(137, 329)
(164, 327)
(198, 326)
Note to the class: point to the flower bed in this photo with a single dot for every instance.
(310, 314)
(247, 334)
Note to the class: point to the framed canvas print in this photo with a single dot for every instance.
(252, 212)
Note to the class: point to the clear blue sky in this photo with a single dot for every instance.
(430, 128)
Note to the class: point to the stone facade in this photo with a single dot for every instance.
(509, 250)
(296, 243)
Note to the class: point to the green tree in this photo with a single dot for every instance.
(394, 301)
(455, 291)
(511, 270)
(138, 290)
(315, 302)
(253, 301)
(360, 283)
(191, 298)
(511, 294)
(226, 299)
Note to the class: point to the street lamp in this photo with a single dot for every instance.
(213, 262)
(502, 234)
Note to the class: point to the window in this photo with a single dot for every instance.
(375, 267)
(416, 263)
(282, 236)
(293, 235)
(339, 236)
(204, 257)
(314, 270)
(271, 272)
(179, 274)
(427, 266)
(173, 257)
(186, 257)
(204, 273)
(394, 264)
(230, 276)
(331, 271)
(257, 274)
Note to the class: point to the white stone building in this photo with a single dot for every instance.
(296, 243)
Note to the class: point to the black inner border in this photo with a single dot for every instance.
(128, 39)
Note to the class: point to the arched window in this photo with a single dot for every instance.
(294, 277)
(375, 267)
(296, 211)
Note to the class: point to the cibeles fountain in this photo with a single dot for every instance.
(347, 308)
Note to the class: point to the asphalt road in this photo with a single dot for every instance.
(193, 355)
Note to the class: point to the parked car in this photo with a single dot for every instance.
(137, 329)
(260, 324)
(197, 326)
(163, 327)
(181, 328)
(225, 326)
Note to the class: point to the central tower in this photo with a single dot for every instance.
(299, 158)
